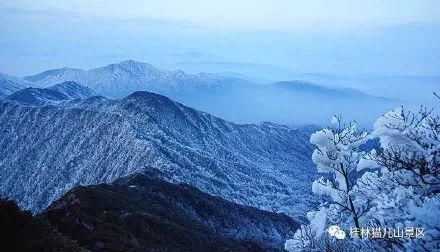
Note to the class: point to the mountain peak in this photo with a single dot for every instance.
(132, 65)
(154, 131)
(55, 76)
(130, 62)
(144, 97)
(120, 79)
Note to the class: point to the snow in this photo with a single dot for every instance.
(72, 90)
(52, 95)
(395, 186)
(10, 84)
(48, 150)
(334, 120)
(118, 80)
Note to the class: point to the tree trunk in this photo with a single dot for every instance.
(353, 210)
(350, 201)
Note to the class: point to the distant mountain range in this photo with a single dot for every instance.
(47, 150)
(406, 89)
(309, 87)
(42, 96)
(259, 73)
(73, 90)
(118, 80)
(58, 137)
(229, 96)
(68, 127)
(10, 84)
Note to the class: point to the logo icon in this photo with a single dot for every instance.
(337, 232)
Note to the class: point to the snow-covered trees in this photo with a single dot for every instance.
(393, 185)
(407, 185)
(338, 154)
(410, 145)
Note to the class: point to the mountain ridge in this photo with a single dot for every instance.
(161, 215)
(10, 84)
(309, 87)
(73, 90)
(242, 101)
(61, 92)
(120, 79)
(48, 150)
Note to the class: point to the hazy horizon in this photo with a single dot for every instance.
(392, 38)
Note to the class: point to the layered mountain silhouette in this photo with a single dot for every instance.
(47, 150)
(44, 96)
(10, 84)
(118, 80)
(307, 87)
(72, 90)
(228, 96)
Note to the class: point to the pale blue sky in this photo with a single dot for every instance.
(254, 14)
(343, 37)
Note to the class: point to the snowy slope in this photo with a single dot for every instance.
(55, 76)
(45, 151)
(231, 98)
(10, 84)
(118, 80)
(36, 96)
(72, 90)
(43, 96)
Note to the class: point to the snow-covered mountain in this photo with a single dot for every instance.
(231, 98)
(45, 151)
(43, 96)
(118, 80)
(10, 84)
(36, 96)
(72, 90)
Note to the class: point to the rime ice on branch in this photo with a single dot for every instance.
(395, 184)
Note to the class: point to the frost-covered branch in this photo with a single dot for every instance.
(395, 184)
